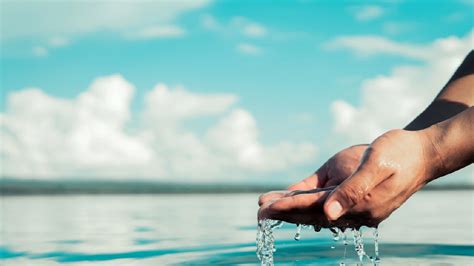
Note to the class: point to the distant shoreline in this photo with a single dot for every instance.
(93, 187)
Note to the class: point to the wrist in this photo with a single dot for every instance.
(433, 158)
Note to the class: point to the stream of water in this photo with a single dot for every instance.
(266, 242)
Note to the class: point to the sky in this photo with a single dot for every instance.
(204, 91)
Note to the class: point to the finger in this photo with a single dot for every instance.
(314, 181)
(368, 175)
(281, 208)
(315, 217)
(272, 195)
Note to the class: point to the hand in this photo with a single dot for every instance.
(330, 174)
(396, 165)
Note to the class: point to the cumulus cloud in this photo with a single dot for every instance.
(95, 135)
(393, 100)
(367, 13)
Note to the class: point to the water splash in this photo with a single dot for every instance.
(359, 244)
(266, 241)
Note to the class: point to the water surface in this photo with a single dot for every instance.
(432, 228)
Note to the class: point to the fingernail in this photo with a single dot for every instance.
(334, 209)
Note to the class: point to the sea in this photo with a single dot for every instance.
(431, 228)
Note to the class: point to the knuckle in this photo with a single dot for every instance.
(352, 194)
(278, 206)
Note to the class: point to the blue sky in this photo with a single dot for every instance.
(294, 66)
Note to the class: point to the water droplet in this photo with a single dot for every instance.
(335, 233)
(298, 232)
(376, 259)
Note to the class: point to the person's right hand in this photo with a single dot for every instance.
(396, 165)
(332, 173)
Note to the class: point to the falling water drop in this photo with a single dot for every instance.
(298, 232)
(344, 241)
(335, 233)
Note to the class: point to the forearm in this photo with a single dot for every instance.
(450, 144)
(455, 97)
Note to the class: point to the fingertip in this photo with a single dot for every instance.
(333, 209)
(263, 211)
(272, 195)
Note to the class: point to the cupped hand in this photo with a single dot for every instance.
(330, 174)
(396, 165)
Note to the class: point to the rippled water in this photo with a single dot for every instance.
(432, 228)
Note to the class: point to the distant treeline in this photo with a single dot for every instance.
(10, 186)
(36, 187)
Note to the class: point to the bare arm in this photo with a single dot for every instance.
(452, 143)
(399, 163)
(455, 97)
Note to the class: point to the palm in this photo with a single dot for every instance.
(334, 171)
(331, 173)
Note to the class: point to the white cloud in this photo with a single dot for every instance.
(393, 100)
(367, 13)
(91, 136)
(40, 51)
(158, 32)
(66, 18)
(51, 44)
(364, 45)
(250, 49)
(248, 28)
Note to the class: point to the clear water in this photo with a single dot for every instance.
(432, 228)
(266, 242)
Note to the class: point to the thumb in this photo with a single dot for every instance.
(353, 189)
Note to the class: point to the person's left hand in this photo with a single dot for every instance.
(332, 173)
